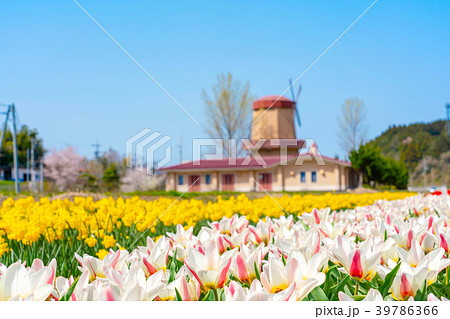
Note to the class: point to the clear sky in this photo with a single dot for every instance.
(69, 80)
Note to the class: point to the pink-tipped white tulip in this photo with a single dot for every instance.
(277, 277)
(20, 283)
(210, 269)
(243, 266)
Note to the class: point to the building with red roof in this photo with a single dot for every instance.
(273, 163)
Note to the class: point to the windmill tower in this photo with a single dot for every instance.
(273, 122)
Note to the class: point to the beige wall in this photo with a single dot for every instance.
(327, 177)
(172, 181)
(243, 181)
(274, 124)
(330, 177)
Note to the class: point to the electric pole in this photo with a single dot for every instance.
(41, 176)
(181, 149)
(15, 159)
(5, 126)
(28, 168)
(33, 174)
(97, 150)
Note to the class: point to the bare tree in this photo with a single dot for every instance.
(228, 110)
(111, 156)
(352, 125)
(64, 167)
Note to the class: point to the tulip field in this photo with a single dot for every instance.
(348, 247)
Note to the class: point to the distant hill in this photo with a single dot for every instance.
(412, 144)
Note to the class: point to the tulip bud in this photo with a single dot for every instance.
(405, 288)
(409, 239)
(356, 270)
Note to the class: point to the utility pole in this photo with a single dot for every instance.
(97, 150)
(16, 161)
(28, 167)
(41, 176)
(33, 173)
(4, 126)
(181, 149)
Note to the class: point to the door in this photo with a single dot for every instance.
(227, 182)
(265, 180)
(194, 183)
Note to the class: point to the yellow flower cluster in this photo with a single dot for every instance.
(26, 219)
(91, 241)
(3, 246)
(102, 253)
(108, 241)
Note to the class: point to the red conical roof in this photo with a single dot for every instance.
(273, 101)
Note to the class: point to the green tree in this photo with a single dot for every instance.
(411, 143)
(89, 182)
(411, 155)
(394, 173)
(111, 177)
(24, 140)
(440, 145)
(379, 169)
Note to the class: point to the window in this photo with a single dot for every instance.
(313, 176)
(208, 179)
(302, 177)
(180, 179)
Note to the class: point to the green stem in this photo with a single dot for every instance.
(446, 276)
(356, 288)
(216, 295)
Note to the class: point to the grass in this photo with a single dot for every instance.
(6, 182)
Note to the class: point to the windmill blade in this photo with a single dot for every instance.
(297, 116)
(295, 99)
(298, 93)
(292, 90)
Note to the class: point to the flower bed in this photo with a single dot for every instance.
(390, 250)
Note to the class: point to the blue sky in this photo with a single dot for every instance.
(69, 80)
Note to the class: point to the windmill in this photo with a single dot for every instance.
(295, 99)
